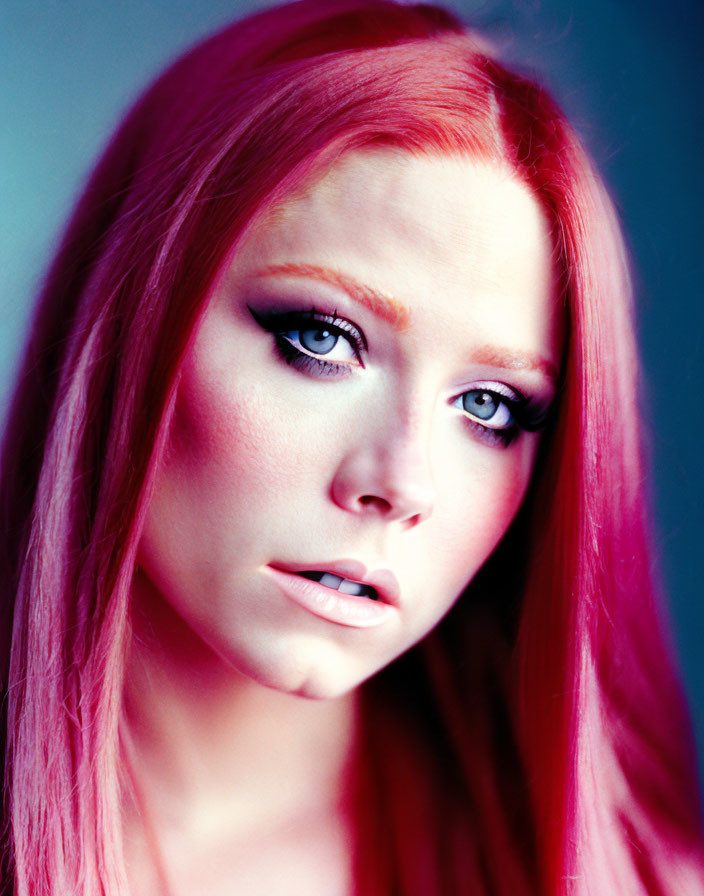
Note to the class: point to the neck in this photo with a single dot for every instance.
(207, 745)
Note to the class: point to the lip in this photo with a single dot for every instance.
(383, 580)
(351, 610)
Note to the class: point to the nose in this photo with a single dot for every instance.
(387, 475)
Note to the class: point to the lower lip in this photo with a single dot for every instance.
(353, 610)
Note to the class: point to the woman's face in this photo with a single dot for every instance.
(361, 404)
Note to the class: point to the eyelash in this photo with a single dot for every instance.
(283, 325)
(523, 418)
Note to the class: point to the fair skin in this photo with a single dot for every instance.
(399, 466)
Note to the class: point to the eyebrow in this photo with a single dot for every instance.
(508, 359)
(382, 305)
(398, 315)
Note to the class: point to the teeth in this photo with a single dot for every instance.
(331, 581)
(348, 587)
(344, 586)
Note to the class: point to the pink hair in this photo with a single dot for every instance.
(540, 738)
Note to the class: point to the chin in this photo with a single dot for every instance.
(313, 685)
(312, 675)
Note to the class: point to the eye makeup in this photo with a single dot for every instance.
(498, 413)
(493, 411)
(304, 338)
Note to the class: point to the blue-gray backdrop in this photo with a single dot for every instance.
(628, 72)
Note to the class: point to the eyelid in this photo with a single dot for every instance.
(291, 319)
(281, 323)
(498, 388)
(528, 414)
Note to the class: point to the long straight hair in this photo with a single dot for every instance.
(539, 737)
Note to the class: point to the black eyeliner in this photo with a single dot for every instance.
(527, 415)
(280, 321)
(524, 417)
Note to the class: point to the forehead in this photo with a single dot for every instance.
(435, 233)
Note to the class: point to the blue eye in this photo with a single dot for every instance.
(319, 341)
(498, 414)
(323, 340)
(325, 345)
(494, 413)
(314, 343)
(489, 408)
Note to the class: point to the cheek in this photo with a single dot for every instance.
(476, 507)
(227, 440)
(501, 490)
(222, 465)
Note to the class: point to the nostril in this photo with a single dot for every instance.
(373, 500)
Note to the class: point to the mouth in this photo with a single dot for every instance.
(340, 592)
(338, 583)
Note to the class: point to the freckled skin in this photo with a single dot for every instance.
(267, 463)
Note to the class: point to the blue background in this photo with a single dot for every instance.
(629, 75)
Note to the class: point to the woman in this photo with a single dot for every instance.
(338, 344)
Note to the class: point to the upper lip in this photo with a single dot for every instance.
(383, 580)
